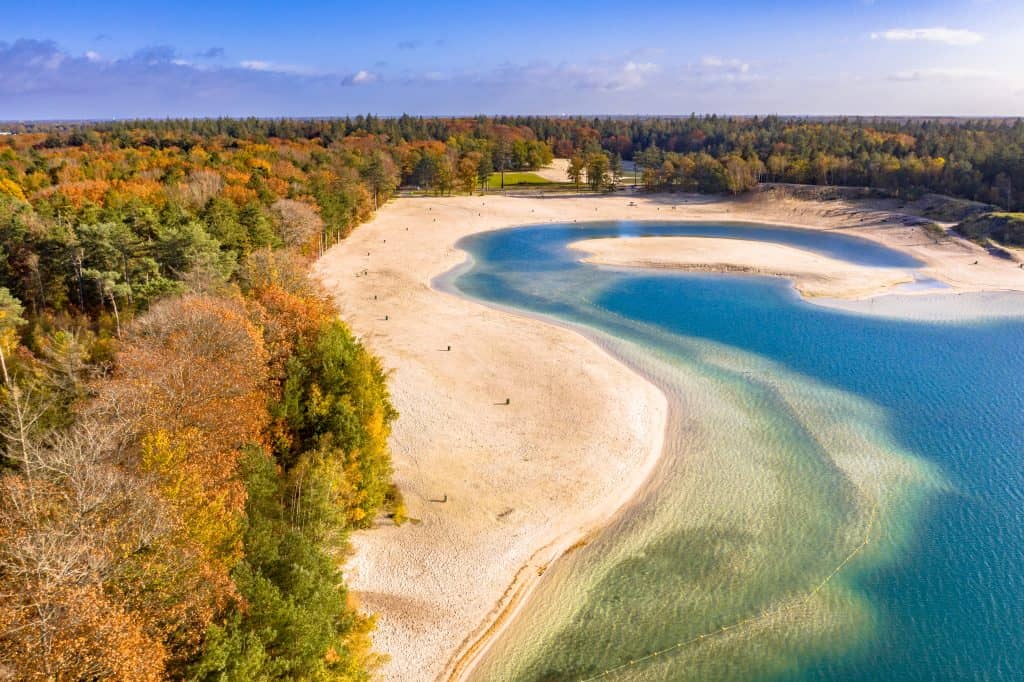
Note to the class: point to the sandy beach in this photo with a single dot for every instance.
(813, 275)
(498, 490)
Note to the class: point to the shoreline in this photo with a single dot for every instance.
(438, 585)
(477, 644)
(443, 588)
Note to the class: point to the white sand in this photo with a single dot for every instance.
(812, 274)
(524, 481)
(556, 172)
(527, 480)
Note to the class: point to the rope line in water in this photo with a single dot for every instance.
(746, 621)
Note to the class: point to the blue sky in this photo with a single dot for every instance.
(105, 59)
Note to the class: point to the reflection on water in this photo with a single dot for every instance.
(823, 473)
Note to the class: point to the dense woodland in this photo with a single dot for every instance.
(979, 160)
(189, 434)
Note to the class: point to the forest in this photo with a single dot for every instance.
(980, 160)
(190, 434)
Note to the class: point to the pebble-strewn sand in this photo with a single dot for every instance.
(523, 481)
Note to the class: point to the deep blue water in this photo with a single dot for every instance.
(952, 606)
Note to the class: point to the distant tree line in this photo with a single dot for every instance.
(980, 159)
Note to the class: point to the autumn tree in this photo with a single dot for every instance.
(598, 171)
(382, 176)
(576, 169)
(298, 223)
(467, 172)
(10, 320)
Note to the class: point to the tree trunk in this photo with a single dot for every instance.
(117, 316)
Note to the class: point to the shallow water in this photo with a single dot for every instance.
(840, 495)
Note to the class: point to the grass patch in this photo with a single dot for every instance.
(1005, 228)
(935, 230)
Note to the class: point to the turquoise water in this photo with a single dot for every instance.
(840, 496)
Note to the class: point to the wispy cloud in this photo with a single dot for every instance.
(256, 65)
(274, 67)
(604, 75)
(361, 77)
(155, 54)
(712, 68)
(940, 74)
(210, 53)
(947, 36)
(417, 44)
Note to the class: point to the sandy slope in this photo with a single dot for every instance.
(526, 480)
(556, 172)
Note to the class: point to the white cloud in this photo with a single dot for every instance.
(273, 67)
(938, 34)
(256, 65)
(940, 74)
(714, 69)
(93, 56)
(603, 75)
(713, 62)
(361, 77)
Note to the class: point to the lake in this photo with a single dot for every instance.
(841, 495)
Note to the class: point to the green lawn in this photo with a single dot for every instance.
(494, 182)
